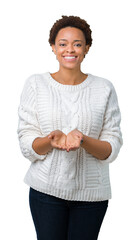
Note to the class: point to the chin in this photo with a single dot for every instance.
(70, 67)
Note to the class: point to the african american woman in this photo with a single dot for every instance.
(69, 129)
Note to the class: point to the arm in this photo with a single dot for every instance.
(56, 139)
(111, 131)
(99, 149)
(108, 145)
(28, 126)
(42, 145)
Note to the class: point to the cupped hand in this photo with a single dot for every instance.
(73, 140)
(58, 139)
(68, 142)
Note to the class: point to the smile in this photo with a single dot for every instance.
(70, 58)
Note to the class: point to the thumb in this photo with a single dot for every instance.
(51, 135)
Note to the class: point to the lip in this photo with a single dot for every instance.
(70, 56)
(69, 59)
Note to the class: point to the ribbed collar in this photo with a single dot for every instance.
(64, 87)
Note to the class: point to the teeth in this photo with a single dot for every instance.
(69, 57)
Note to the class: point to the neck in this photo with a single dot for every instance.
(69, 76)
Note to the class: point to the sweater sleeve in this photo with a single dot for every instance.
(28, 126)
(111, 131)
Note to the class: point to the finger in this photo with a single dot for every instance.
(77, 135)
(63, 146)
(74, 147)
(51, 135)
(70, 147)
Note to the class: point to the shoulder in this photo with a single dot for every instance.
(33, 79)
(102, 82)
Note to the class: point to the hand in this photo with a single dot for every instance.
(58, 139)
(70, 142)
(73, 140)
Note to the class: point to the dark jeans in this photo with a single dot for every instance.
(58, 219)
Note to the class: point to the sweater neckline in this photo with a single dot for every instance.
(79, 86)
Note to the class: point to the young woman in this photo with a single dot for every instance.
(69, 128)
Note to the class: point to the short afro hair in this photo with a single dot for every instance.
(71, 21)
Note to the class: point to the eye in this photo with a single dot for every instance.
(78, 45)
(62, 44)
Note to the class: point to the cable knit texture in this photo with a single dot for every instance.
(92, 108)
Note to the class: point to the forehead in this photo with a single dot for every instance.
(70, 33)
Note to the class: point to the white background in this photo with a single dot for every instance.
(115, 55)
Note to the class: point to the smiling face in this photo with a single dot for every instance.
(70, 47)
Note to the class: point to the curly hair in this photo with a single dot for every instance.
(71, 21)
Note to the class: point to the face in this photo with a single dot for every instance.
(70, 47)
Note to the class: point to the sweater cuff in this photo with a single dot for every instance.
(115, 145)
(31, 154)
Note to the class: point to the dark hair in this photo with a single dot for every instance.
(71, 21)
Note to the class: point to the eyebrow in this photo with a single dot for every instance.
(67, 40)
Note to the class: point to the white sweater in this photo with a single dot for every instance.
(92, 108)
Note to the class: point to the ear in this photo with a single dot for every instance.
(87, 49)
(53, 48)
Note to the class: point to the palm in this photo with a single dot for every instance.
(73, 140)
(70, 142)
(59, 141)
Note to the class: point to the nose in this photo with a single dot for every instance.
(70, 49)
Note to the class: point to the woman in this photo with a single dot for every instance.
(69, 128)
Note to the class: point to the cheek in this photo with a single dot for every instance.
(81, 56)
(81, 52)
(59, 51)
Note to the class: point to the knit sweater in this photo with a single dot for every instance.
(92, 108)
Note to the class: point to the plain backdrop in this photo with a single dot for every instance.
(115, 55)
